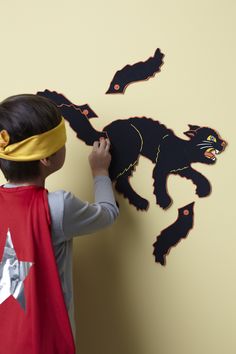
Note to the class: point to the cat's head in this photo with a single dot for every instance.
(206, 143)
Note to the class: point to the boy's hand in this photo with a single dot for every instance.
(100, 157)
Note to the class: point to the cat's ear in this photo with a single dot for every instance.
(190, 133)
(193, 130)
(193, 127)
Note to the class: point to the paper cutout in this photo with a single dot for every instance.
(173, 234)
(140, 136)
(130, 138)
(137, 72)
(62, 102)
(77, 120)
(171, 155)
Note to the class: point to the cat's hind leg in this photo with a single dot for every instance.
(160, 188)
(126, 146)
(123, 186)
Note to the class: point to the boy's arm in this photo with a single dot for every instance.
(81, 218)
(70, 216)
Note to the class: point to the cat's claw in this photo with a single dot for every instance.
(165, 203)
(203, 192)
(133, 198)
(142, 204)
(159, 258)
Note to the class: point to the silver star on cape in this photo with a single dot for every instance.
(12, 274)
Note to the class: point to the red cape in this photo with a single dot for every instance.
(34, 321)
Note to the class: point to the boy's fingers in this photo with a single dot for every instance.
(108, 145)
(102, 143)
(95, 145)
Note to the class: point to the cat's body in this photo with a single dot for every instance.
(133, 137)
(140, 136)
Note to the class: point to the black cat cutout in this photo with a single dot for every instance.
(170, 236)
(134, 137)
(137, 72)
(140, 136)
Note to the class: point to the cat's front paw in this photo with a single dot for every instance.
(164, 202)
(203, 190)
(160, 259)
(141, 204)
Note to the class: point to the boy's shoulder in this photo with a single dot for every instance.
(57, 198)
(63, 199)
(60, 194)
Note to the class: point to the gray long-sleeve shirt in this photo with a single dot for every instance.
(72, 217)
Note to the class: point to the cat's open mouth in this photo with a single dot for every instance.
(210, 153)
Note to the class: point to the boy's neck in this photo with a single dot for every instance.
(39, 181)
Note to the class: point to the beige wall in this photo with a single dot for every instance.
(125, 302)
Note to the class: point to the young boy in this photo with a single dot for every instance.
(37, 227)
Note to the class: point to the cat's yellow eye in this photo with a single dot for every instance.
(211, 138)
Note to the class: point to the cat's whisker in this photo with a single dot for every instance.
(205, 147)
(206, 141)
(205, 144)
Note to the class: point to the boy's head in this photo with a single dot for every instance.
(24, 116)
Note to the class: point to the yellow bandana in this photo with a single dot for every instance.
(35, 147)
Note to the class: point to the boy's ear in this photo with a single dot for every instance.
(46, 162)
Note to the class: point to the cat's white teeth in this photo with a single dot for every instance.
(210, 154)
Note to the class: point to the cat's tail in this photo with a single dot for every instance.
(76, 116)
(81, 125)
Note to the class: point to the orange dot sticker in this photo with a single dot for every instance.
(116, 87)
(186, 212)
(85, 112)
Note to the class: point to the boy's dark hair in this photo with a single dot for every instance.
(24, 116)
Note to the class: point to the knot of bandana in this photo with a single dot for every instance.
(4, 139)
